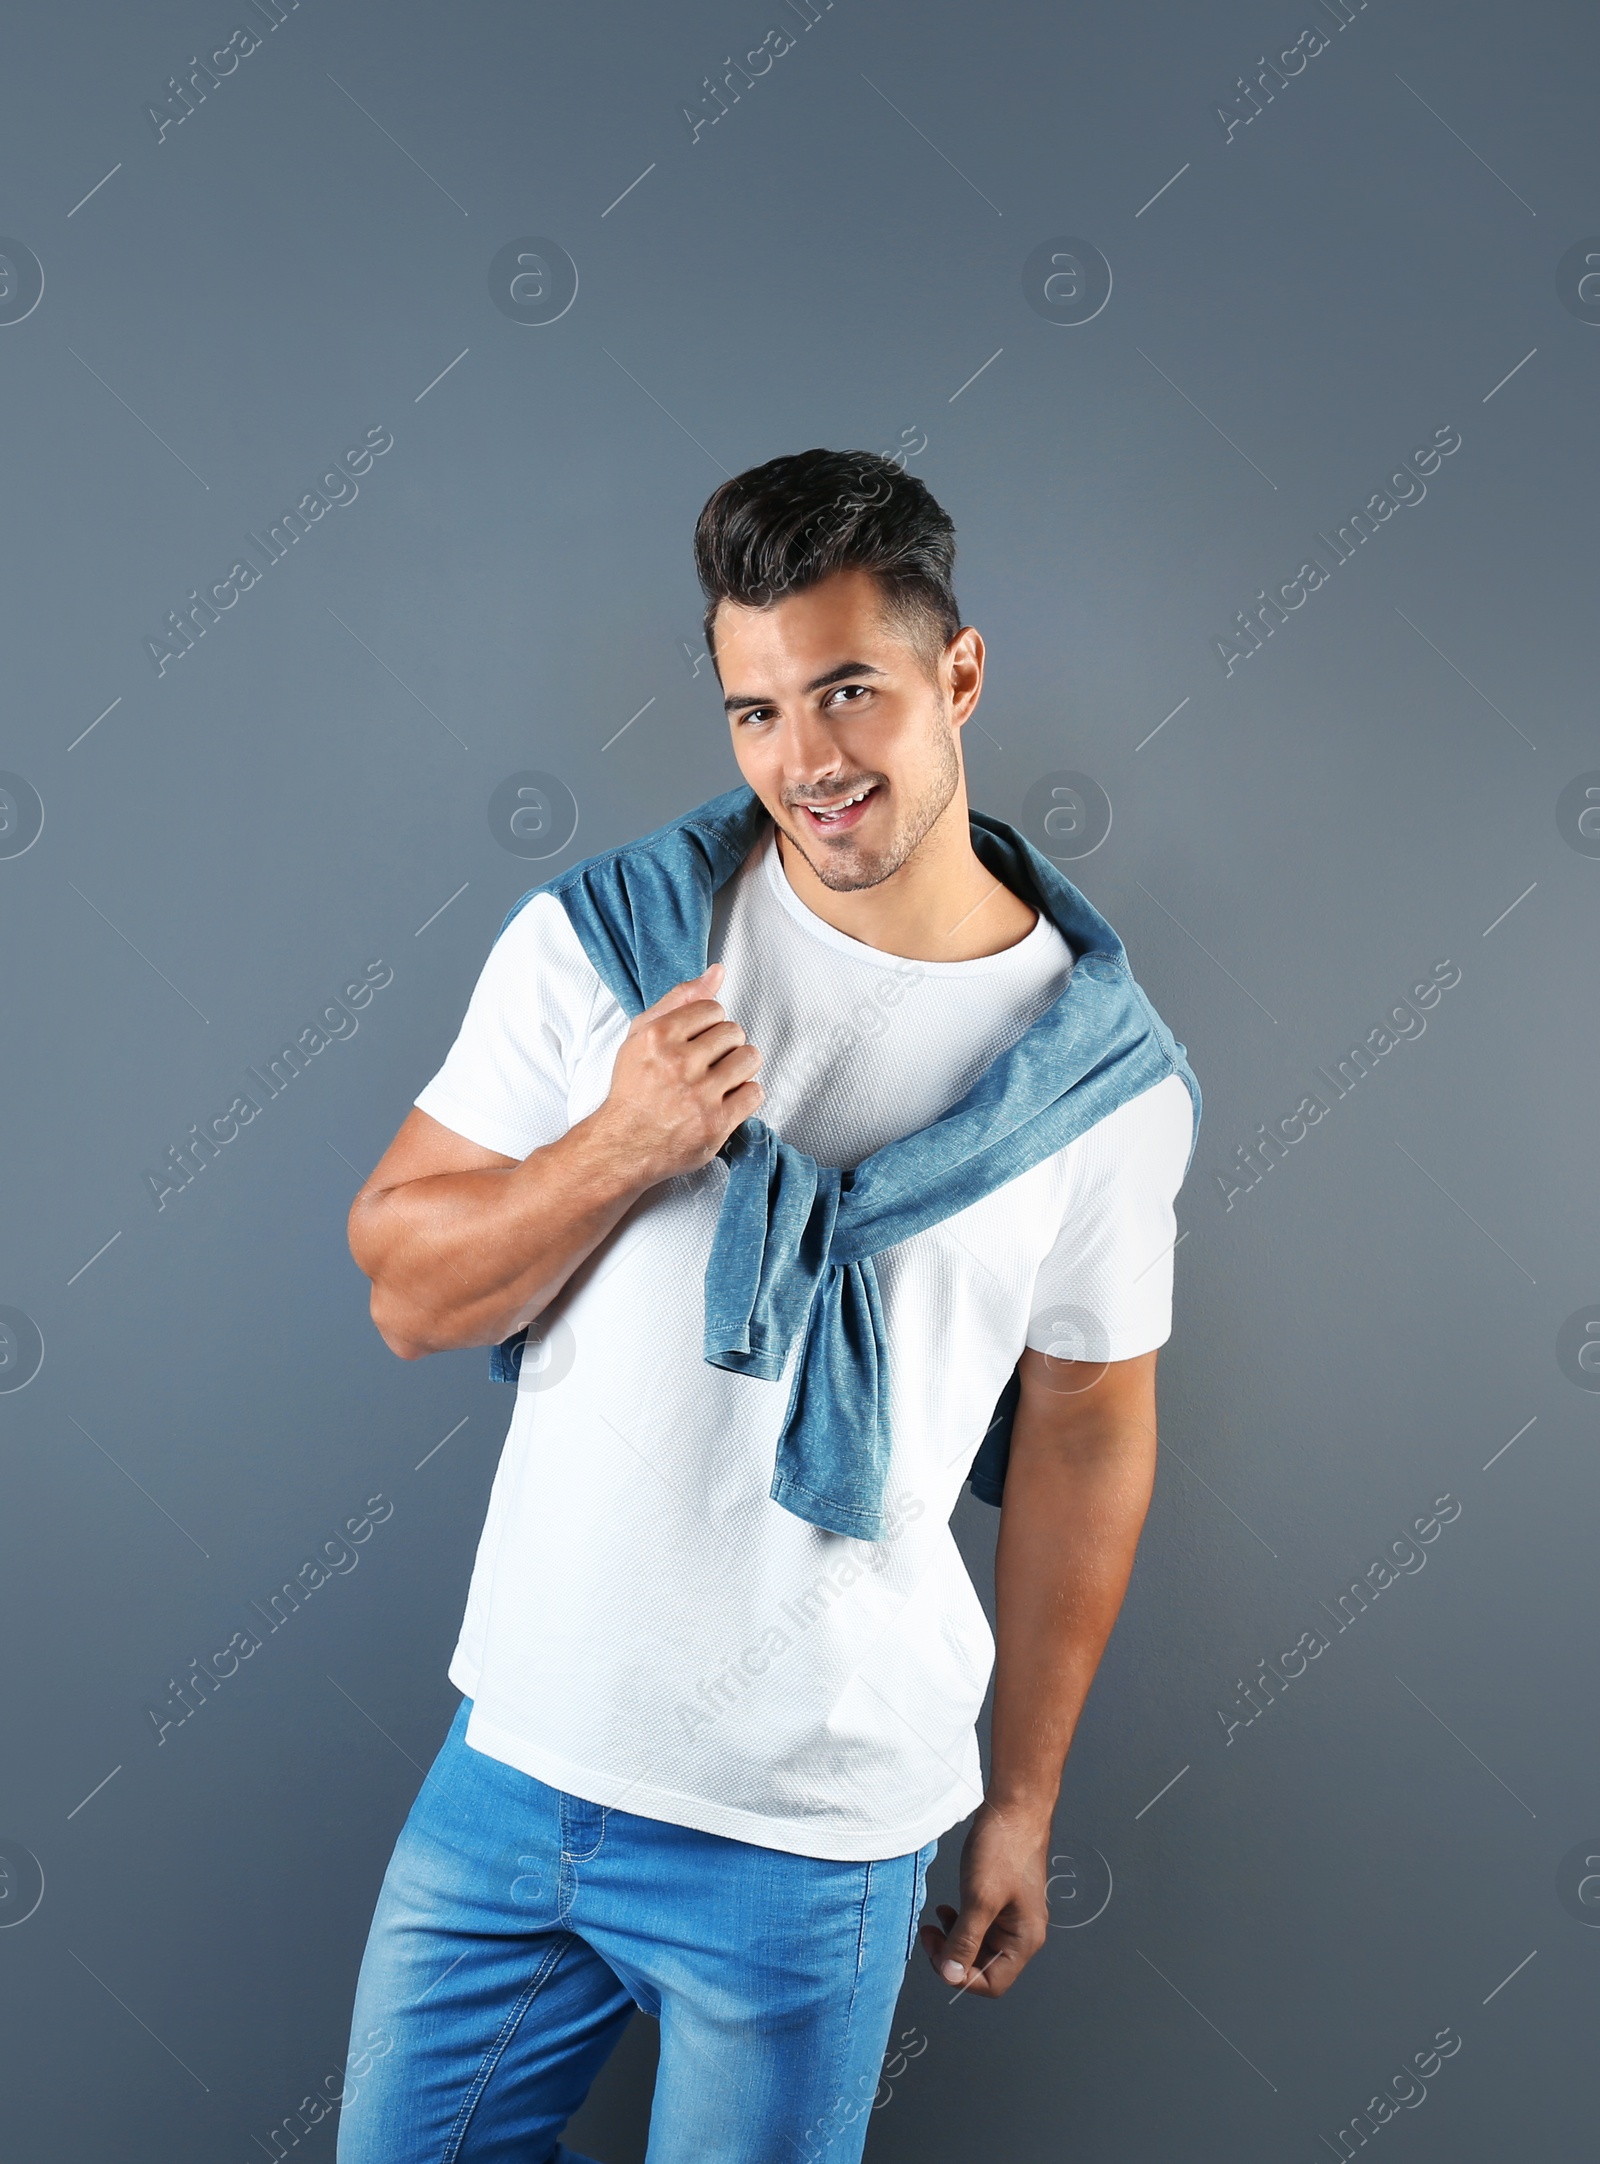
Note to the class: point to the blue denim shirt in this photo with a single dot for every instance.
(792, 1256)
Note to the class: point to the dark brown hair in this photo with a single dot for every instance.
(782, 527)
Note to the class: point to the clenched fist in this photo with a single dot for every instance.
(683, 1080)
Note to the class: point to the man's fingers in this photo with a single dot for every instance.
(987, 1970)
(962, 1939)
(702, 987)
(715, 1047)
(686, 1012)
(993, 1975)
(746, 1100)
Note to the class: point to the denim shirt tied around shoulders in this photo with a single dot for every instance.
(792, 1256)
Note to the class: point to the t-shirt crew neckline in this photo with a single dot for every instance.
(1022, 956)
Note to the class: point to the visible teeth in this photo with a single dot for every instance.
(844, 805)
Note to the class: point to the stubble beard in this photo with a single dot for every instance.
(848, 869)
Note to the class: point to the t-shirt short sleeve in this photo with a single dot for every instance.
(505, 1081)
(1104, 1291)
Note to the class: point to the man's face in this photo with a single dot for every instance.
(838, 726)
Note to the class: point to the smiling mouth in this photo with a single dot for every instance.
(837, 818)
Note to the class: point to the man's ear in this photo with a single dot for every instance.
(961, 668)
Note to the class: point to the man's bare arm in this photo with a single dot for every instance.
(464, 1245)
(1078, 1483)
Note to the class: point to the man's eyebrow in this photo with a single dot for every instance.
(817, 683)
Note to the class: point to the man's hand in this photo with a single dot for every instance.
(1003, 1918)
(464, 1245)
(684, 1079)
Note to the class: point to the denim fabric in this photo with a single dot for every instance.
(792, 1254)
(517, 1930)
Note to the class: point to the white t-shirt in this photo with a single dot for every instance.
(645, 1627)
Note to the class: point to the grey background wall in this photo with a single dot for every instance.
(897, 236)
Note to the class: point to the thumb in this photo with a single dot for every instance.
(705, 986)
(963, 1936)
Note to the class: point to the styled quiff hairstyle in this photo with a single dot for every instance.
(782, 527)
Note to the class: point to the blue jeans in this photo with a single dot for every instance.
(518, 1928)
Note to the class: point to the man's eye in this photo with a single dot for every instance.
(840, 689)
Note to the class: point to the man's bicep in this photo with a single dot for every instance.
(1066, 1399)
(424, 1146)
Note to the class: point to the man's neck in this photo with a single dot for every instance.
(940, 906)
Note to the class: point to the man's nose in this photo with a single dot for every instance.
(811, 754)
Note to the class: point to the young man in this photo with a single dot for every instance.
(802, 1207)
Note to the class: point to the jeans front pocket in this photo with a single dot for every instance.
(919, 1893)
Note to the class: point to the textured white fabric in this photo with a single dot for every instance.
(645, 1627)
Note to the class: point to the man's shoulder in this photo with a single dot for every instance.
(537, 956)
(1148, 1134)
(536, 919)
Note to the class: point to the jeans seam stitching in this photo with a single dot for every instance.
(496, 2052)
(861, 1945)
(842, 2048)
(572, 1855)
(916, 1909)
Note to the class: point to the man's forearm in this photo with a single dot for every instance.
(465, 1258)
(1070, 1523)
